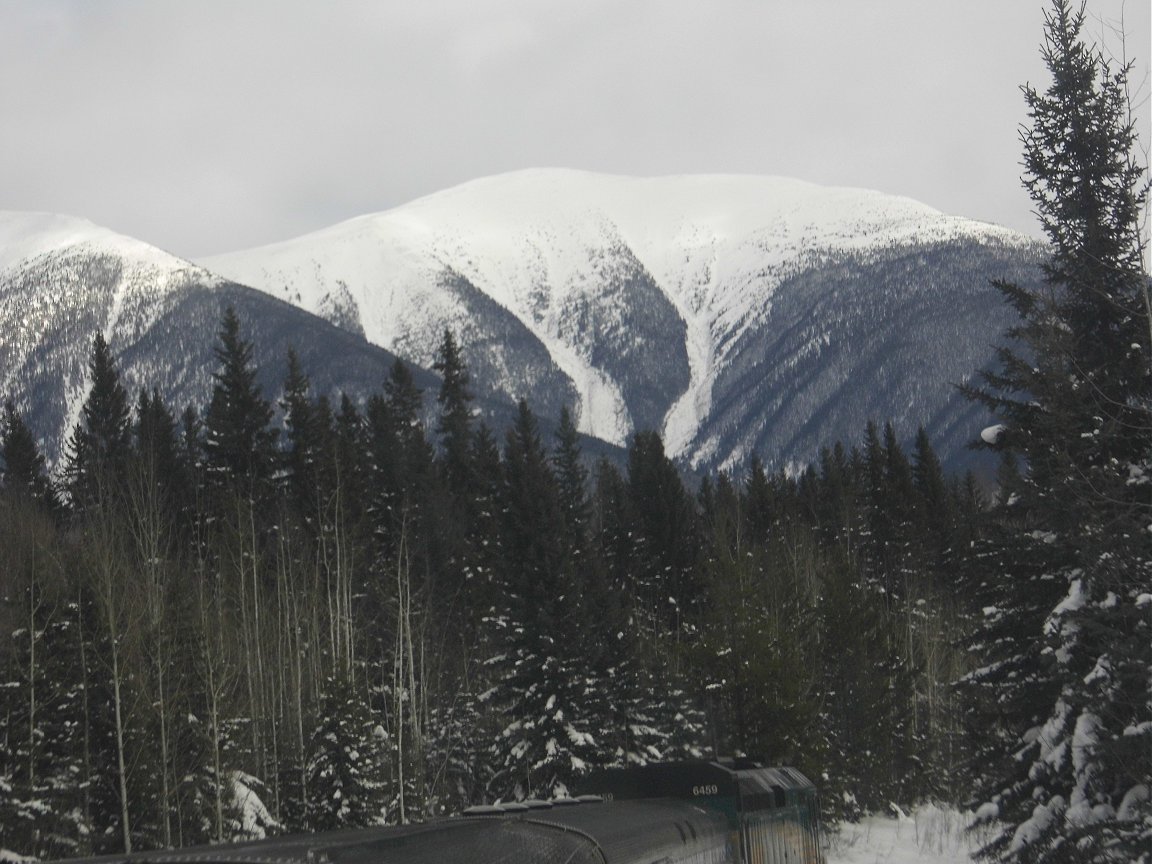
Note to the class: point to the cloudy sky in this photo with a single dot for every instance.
(221, 124)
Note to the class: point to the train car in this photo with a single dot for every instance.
(773, 814)
(679, 813)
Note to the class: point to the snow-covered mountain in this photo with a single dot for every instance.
(734, 314)
(63, 279)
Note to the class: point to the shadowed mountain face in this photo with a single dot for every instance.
(850, 341)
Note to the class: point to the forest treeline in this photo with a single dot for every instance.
(298, 615)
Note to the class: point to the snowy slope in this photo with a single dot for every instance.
(639, 291)
(63, 279)
(930, 835)
(42, 246)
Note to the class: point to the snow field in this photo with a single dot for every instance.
(930, 835)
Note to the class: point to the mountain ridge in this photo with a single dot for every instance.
(733, 324)
(62, 279)
(576, 260)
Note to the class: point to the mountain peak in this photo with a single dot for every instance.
(27, 235)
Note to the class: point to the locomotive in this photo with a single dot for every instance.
(732, 811)
(667, 813)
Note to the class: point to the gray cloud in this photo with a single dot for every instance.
(218, 125)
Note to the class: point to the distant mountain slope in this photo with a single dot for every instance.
(64, 279)
(734, 314)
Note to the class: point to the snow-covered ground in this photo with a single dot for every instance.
(930, 835)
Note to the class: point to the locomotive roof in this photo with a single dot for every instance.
(587, 834)
(727, 778)
(659, 810)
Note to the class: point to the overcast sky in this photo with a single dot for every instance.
(211, 126)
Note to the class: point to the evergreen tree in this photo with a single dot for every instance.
(571, 485)
(934, 499)
(487, 509)
(653, 714)
(349, 460)
(857, 698)
(156, 492)
(159, 456)
(841, 510)
(940, 548)
(238, 441)
(900, 492)
(44, 785)
(665, 532)
(304, 433)
(190, 443)
(455, 413)
(346, 765)
(541, 681)
(484, 565)
(98, 450)
(22, 468)
(239, 460)
(399, 451)
(760, 502)
(403, 467)
(881, 542)
(464, 724)
(1066, 641)
(752, 647)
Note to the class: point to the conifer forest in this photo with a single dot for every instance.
(282, 612)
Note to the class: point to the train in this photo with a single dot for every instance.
(698, 812)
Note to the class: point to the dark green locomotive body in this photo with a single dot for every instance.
(772, 814)
(673, 813)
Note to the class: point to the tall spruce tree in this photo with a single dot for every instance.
(935, 502)
(346, 764)
(98, 450)
(160, 460)
(400, 450)
(649, 537)
(1067, 641)
(572, 485)
(751, 647)
(666, 534)
(401, 466)
(238, 443)
(541, 682)
(22, 468)
(455, 414)
(239, 458)
(304, 437)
